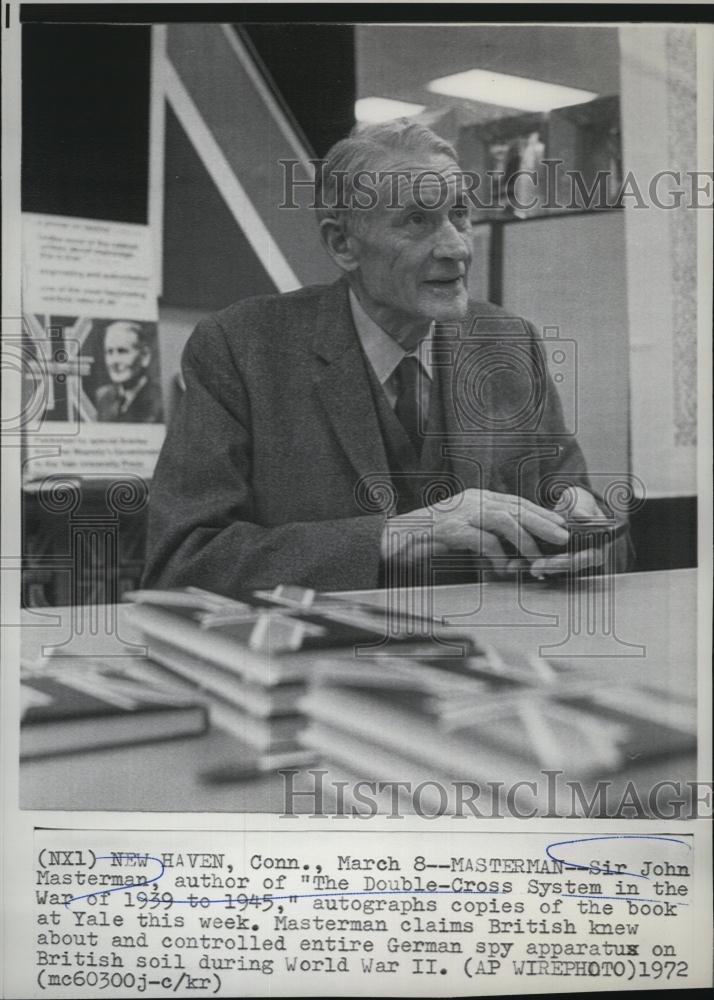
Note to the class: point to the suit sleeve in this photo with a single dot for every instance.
(202, 530)
(568, 466)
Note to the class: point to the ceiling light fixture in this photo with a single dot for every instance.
(370, 110)
(488, 87)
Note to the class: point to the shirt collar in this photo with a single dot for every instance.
(128, 396)
(383, 352)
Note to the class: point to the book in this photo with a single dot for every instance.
(449, 681)
(259, 733)
(206, 677)
(429, 791)
(227, 646)
(92, 704)
(209, 608)
(271, 638)
(376, 764)
(282, 734)
(580, 733)
(384, 723)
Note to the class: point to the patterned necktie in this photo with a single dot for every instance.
(407, 407)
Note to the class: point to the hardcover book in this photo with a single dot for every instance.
(89, 705)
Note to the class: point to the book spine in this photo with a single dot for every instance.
(212, 646)
(257, 733)
(405, 732)
(206, 676)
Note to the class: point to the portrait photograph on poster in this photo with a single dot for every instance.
(114, 364)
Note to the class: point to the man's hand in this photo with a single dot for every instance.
(479, 521)
(574, 502)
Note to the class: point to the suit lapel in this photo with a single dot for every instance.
(343, 389)
(343, 386)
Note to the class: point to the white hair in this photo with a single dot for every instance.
(360, 150)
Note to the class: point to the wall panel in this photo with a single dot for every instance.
(569, 272)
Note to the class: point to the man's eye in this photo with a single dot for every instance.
(416, 219)
(460, 215)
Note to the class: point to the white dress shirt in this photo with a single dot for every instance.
(384, 354)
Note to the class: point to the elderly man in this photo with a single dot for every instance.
(131, 396)
(329, 433)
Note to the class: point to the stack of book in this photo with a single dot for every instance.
(491, 716)
(384, 695)
(252, 658)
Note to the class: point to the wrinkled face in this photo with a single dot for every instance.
(414, 248)
(124, 356)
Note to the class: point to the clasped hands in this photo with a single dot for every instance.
(481, 521)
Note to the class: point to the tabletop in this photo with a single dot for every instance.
(639, 625)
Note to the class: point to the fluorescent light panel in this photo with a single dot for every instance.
(508, 91)
(370, 110)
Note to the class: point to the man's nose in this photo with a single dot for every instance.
(452, 243)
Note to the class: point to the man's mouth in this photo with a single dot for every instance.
(447, 283)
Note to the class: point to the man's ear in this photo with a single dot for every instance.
(341, 245)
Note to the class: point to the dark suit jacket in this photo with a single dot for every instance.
(145, 408)
(257, 480)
